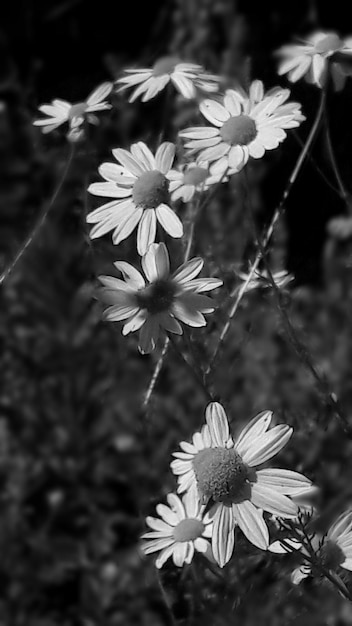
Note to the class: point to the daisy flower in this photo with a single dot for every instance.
(334, 550)
(140, 189)
(243, 126)
(60, 111)
(224, 472)
(186, 78)
(180, 532)
(155, 306)
(313, 57)
(190, 179)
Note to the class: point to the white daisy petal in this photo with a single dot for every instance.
(179, 554)
(109, 190)
(125, 228)
(214, 112)
(223, 539)
(254, 429)
(164, 157)
(218, 424)
(167, 514)
(163, 556)
(233, 102)
(146, 231)
(184, 85)
(176, 504)
(169, 221)
(117, 312)
(157, 544)
(130, 274)
(283, 480)
(135, 323)
(128, 161)
(252, 524)
(188, 270)
(267, 446)
(143, 155)
(114, 173)
(156, 263)
(274, 502)
(99, 94)
(188, 316)
(202, 132)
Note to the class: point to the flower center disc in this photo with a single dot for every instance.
(157, 297)
(150, 190)
(330, 43)
(77, 110)
(331, 555)
(188, 530)
(221, 474)
(195, 176)
(166, 65)
(239, 130)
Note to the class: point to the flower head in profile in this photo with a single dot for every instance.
(159, 303)
(224, 473)
(261, 279)
(140, 191)
(243, 126)
(60, 111)
(334, 550)
(313, 58)
(190, 179)
(182, 530)
(186, 78)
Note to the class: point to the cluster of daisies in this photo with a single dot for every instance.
(222, 487)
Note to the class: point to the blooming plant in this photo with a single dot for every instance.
(228, 504)
(160, 304)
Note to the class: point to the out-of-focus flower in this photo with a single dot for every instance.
(140, 189)
(340, 227)
(190, 179)
(60, 111)
(243, 126)
(334, 550)
(180, 532)
(156, 306)
(261, 279)
(224, 472)
(313, 58)
(186, 78)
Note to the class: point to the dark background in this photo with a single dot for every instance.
(80, 464)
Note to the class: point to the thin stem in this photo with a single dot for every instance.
(317, 167)
(238, 294)
(156, 373)
(200, 206)
(343, 192)
(192, 367)
(300, 349)
(165, 598)
(42, 217)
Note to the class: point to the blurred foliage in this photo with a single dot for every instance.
(81, 465)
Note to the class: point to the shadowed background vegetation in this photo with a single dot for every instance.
(81, 465)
